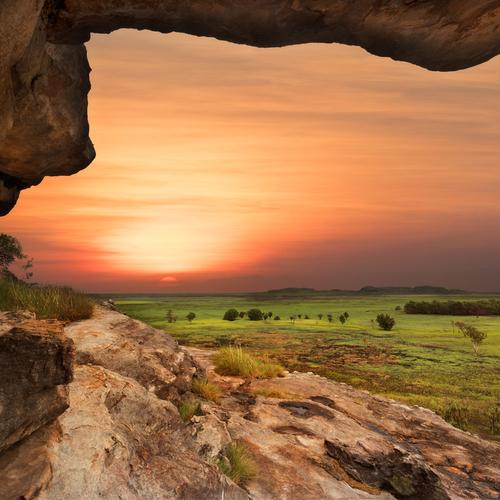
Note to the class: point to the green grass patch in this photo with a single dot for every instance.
(423, 360)
(238, 464)
(47, 302)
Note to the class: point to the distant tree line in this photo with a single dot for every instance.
(490, 307)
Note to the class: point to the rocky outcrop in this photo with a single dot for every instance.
(134, 350)
(121, 437)
(35, 368)
(44, 74)
(314, 438)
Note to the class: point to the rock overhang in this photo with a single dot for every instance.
(44, 73)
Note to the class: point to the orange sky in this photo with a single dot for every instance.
(222, 167)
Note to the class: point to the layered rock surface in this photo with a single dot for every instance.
(314, 438)
(44, 74)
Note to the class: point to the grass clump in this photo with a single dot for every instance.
(47, 302)
(206, 389)
(188, 409)
(238, 464)
(457, 415)
(236, 362)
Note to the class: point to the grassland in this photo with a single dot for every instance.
(421, 361)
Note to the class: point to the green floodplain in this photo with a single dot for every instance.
(422, 361)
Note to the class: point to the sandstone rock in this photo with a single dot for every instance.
(117, 441)
(321, 439)
(35, 366)
(135, 350)
(44, 74)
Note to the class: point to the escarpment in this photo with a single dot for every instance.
(44, 73)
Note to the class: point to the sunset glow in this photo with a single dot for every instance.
(222, 168)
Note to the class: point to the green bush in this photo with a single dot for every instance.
(255, 315)
(231, 315)
(47, 302)
(191, 316)
(238, 464)
(385, 322)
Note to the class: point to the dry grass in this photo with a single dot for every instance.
(47, 302)
(236, 362)
(206, 389)
(188, 409)
(238, 464)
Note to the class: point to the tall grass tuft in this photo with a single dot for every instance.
(206, 389)
(237, 463)
(188, 409)
(235, 362)
(47, 302)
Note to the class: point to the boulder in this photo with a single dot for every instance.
(35, 367)
(135, 350)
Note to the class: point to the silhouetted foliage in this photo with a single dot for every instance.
(487, 307)
(255, 314)
(385, 321)
(231, 315)
(170, 316)
(11, 251)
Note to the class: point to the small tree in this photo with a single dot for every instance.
(190, 316)
(242, 314)
(11, 251)
(300, 316)
(255, 315)
(320, 316)
(292, 319)
(306, 317)
(170, 316)
(346, 315)
(277, 318)
(476, 336)
(231, 315)
(342, 319)
(386, 322)
(270, 314)
(329, 317)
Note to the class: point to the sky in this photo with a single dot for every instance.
(225, 168)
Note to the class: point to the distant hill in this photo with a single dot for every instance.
(366, 290)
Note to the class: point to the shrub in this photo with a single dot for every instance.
(292, 319)
(231, 315)
(238, 464)
(47, 302)
(188, 409)
(385, 322)
(190, 316)
(242, 314)
(342, 319)
(206, 389)
(320, 316)
(494, 419)
(398, 308)
(235, 362)
(255, 315)
(306, 317)
(277, 318)
(456, 415)
(329, 317)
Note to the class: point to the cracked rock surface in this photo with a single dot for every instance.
(44, 73)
